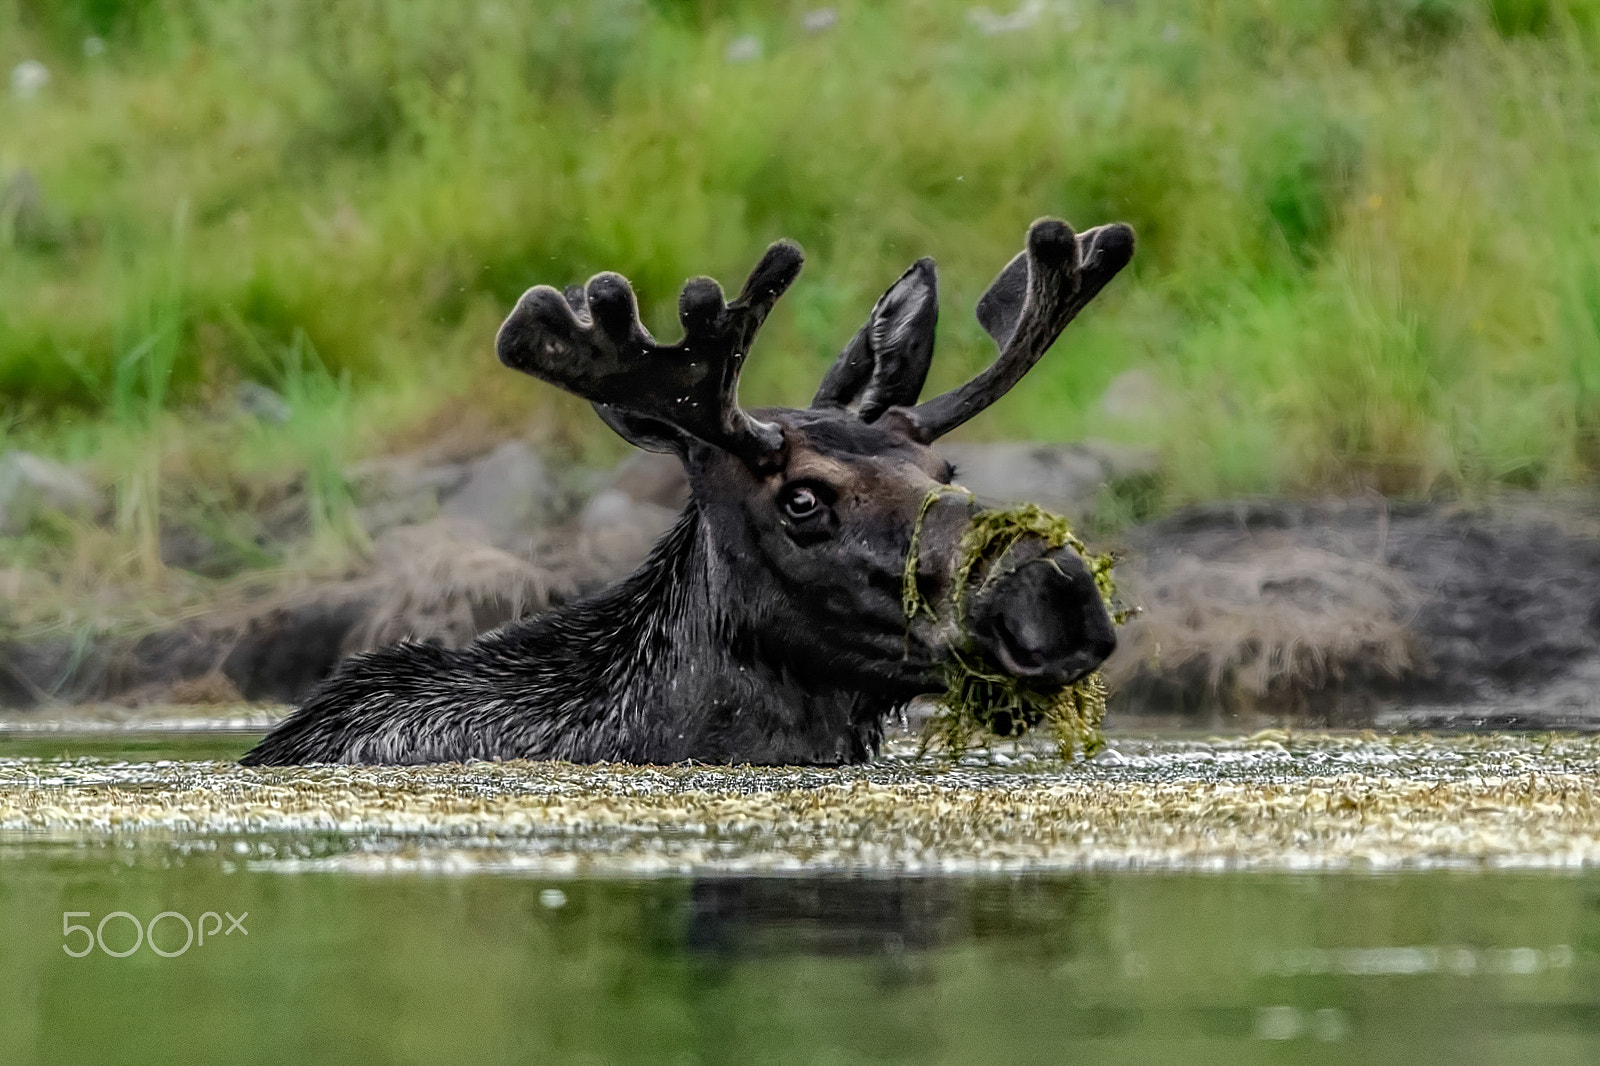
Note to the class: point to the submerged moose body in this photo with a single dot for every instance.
(768, 626)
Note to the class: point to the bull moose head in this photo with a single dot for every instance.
(768, 625)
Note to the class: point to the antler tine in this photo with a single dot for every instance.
(590, 342)
(1025, 309)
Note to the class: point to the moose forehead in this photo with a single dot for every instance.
(833, 445)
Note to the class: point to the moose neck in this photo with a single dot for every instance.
(658, 668)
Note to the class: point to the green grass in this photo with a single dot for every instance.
(1369, 242)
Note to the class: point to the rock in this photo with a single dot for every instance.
(743, 49)
(279, 655)
(260, 402)
(652, 477)
(400, 476)
(820, 19)
(436, 582)
(1123, 462)
(1025, 16)
(619, 530)
(216, 554)
(640, 501)
(189, 549)
(391, 493)
(28, 78)
(1135, 396)
(25, 219)
(45, 671)
(508, 494)
(1058, 477)
(32, 486)
(384, 515)
(611, 507)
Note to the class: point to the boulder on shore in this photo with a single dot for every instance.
(32, 486)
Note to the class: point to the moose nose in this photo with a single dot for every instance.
(1045, 622)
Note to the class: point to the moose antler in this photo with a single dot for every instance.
(1025, 309)
(590, 342)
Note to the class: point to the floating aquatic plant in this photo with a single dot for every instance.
(979, 702)
(1266, 802)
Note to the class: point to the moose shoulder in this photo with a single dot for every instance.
(768, 625)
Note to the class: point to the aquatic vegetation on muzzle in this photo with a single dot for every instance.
(979, 702)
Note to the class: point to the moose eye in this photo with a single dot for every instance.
(804, 501)
(801, 502)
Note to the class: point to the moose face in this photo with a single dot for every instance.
(812, 554)
(808, 516)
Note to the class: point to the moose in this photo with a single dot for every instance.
(767, 625)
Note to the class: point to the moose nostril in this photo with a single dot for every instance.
(1045, 623)
(1023, 642)
(1032, 648)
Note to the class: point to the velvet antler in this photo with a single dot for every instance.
(590, 342)
(1025, 309)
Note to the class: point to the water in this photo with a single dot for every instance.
(330, 963)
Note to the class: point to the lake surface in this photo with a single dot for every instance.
(336, 957)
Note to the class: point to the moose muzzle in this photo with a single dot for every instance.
(1044, 622)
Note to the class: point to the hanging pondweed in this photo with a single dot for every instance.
(978, 702)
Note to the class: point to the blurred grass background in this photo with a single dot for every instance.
(1369, 235)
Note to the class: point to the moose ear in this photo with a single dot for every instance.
(885, 364)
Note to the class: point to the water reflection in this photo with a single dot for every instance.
(1125, 967)
(743, 917)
